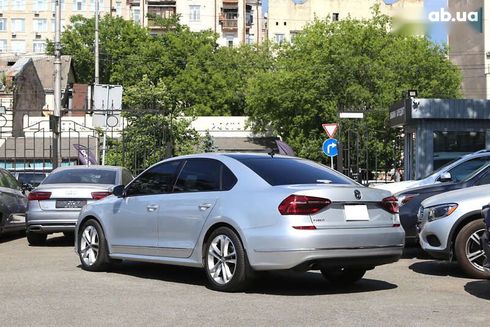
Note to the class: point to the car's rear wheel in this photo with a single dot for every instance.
(92, 247)
(36, 239)
(343, 276)
(225, 261)
(469, 251)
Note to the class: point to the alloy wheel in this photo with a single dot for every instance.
(222, 259)
(474, 251)
(89, 245)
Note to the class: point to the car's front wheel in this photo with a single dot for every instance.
(92, 247)
(36, 239)
(225, 261)
(343, 276)
(469, 251)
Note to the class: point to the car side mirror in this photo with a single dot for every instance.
(445, 177)
(118, 191)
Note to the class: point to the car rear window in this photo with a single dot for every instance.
(289, 171)
(82, 176)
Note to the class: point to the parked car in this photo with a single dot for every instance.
(235, 213)
(451, 225)
(13, 204)
(485, 239)
(455, 171)
(30, 179)
(55, 204)
(411, 199)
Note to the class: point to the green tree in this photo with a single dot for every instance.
(346, 65)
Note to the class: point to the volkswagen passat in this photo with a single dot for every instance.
(55, 204)
(235, 213)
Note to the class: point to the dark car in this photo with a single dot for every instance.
(13, 204)
(485, 239)
(411, 199)
(30, 179)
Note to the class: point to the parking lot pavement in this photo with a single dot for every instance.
(44, 286)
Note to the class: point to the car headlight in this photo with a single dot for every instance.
(441, 211)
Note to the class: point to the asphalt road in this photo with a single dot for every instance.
(44, 286)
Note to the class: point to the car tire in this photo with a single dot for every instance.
(36, 239)
(92, 247)
(468, 249)
(225, 261)
(343, 276)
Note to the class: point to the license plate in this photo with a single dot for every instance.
(71, 204)
(356, 212)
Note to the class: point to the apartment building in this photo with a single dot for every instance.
(235, 21)
(287, 17)
(25, 25)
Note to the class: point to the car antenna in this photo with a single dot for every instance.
(272, 153)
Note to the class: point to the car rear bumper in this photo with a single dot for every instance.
(51, 221)
(309, 249)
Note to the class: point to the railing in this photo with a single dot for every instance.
(229, 23)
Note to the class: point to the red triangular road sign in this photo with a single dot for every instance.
(330, 129)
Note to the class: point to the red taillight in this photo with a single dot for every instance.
(38, 196)
(390, 204)
(302, 205)
(100, 195)
(304, 227)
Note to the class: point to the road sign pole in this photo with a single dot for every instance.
(331, 162)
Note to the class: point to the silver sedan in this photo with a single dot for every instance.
(234, 214)
(55, 204)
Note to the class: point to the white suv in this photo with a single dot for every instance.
(454, 171)
(450, 226)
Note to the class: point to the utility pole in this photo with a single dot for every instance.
(96, 75)
(57, 88)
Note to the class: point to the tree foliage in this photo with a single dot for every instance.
(342, 66)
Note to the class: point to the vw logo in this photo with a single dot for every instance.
(357, 194)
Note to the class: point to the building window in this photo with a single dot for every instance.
(40, 25)
(230, 43)
(3, 24)
(292, 35)
(335, 17)
(136, 15)
(39, 5)
(449, 146)
(3, 45)
(279, 38)
(18, 46)
(53, 25)
(118, 8)
(53, 5)
(18, 5)
(78, 5)
(194, 13)
(18, 25)
(3, 5)
(101, 5)
(39, 47)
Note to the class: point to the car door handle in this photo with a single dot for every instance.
(205, 206)
(152, 207)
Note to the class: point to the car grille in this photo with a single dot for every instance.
(420, 214)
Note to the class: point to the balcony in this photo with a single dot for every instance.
(229, 24)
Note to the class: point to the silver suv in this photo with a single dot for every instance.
(450, 226)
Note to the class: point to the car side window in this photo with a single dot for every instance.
(463, 170)
(126, 177)
(9, 181)
(228, 179)
(199, 175)
(156, 180)
(484, 180)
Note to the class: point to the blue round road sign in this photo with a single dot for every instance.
(330, 147)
